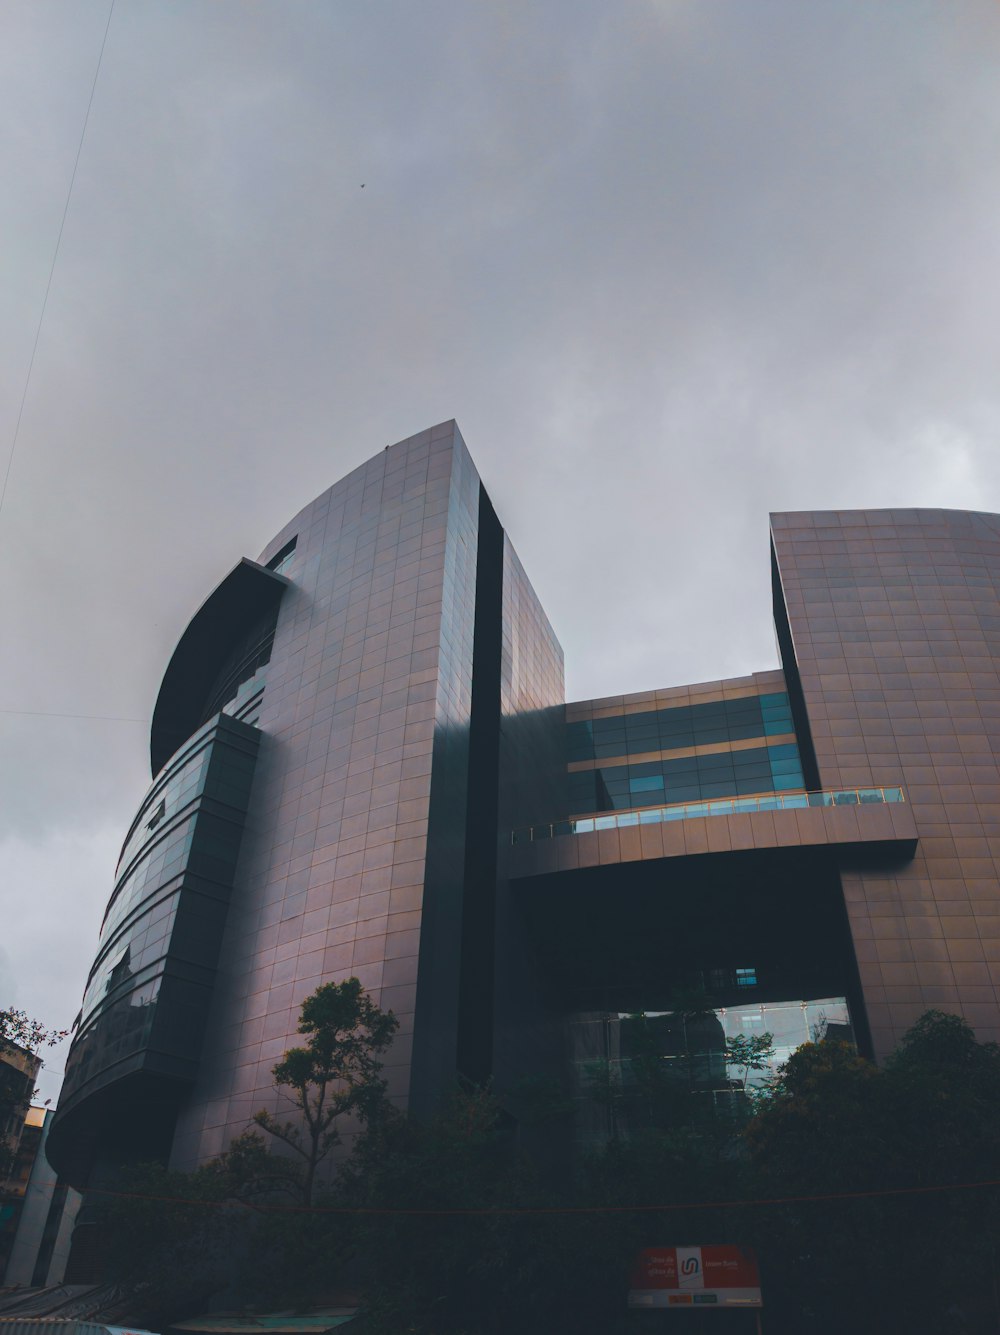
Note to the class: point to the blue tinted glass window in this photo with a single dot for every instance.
(776, 726)
(774, 701)
(685, 794)
(786, 767)
(722, 760)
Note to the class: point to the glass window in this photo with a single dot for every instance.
(776, 726)
(786, 766)
(282, 559)
(683, 792)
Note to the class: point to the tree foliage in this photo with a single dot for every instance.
(18, 1028)
(751, 1054)
(240, 1230)
(851, 1181)
(890, 1230)
(462, 1234)
(173, 1240)
(334, 1074)
(19, 1035)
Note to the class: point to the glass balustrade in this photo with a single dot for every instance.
(717, 806)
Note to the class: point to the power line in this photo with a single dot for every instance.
(554, 1209)
(52, 267)
(48, 713)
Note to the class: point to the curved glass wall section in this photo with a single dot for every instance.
(147, 995)
(251, 653)
(227, 640)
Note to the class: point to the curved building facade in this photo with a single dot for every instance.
(891, 624)
(364, 764)
(342, 664)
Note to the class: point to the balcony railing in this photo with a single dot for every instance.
(715, 806)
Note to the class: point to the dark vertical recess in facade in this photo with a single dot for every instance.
(796, 698)
(811, 775)
(475, 1011)
(855, 990)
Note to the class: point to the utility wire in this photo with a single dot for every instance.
(553, 1209)
(52, 267)
(48, 713)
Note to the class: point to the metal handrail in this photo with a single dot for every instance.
(713, 806)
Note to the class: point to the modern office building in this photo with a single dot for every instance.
(364, 764)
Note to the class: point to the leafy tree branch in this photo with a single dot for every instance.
(335, 1073)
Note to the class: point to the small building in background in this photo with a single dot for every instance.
(36, 1210)
(44, 1211)
(20, 1129)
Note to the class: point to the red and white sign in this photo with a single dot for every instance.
(689, 1277)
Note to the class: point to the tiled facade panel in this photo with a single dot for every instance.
(532, 695)
(429, 958)
(895, 623)
(879, 825)
(527, 1037)
(367, 676)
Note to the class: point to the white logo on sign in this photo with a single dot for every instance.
(689, 1268)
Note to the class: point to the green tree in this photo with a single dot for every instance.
(334, 1074)
(17, 1028)
(234, 1229)
(881, 1166)
(461, 1234)
(173, 1240)
(749, 1053)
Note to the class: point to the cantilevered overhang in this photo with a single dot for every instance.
(878, 830)
(247, 592)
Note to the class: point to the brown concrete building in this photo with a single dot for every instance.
(364, 764)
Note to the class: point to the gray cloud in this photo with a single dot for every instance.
(671, 265)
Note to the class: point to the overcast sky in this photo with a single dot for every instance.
(670, 263)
